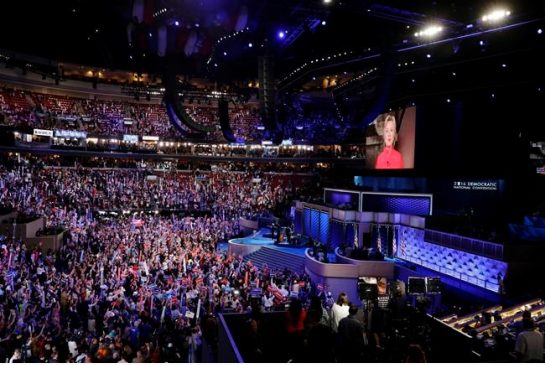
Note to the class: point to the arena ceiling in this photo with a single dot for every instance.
(223, 39)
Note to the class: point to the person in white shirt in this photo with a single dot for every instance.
(268, 301)
(529, 346)
(339, 310)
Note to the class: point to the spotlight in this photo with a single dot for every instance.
(539, 31)
(429, 32)
(250, 45)
(225, 53)
(428, 55)
(281, 35)
(328, 1)
(324, 22)
(177, 23)
(481, 43)
(495, 16)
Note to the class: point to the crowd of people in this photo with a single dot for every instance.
(311, 121)
(112, 118)
(130, 286)
(303, 124)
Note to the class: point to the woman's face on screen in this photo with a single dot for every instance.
(389, 133)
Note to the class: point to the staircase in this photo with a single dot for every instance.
(277, 260)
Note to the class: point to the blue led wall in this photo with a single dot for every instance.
(350, 232)
(306, 221)
(402, 204)
(324, 227)
(298, 221)
(342, 199)
(316, 224)
(533, 229)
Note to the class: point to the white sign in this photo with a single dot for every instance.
(150, 138)
(70, 134)
(475, 185)
(43, 132)
(130, 138)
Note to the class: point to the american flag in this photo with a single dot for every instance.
(394, 245)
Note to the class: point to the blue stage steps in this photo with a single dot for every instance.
(277, 260)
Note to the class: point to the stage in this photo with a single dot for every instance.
(263, 238)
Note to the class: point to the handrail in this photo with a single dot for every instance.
(465, 243)
(230, 338)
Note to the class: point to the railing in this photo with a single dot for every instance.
(467, 244)
(227, 348)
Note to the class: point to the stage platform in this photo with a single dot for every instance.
(262, 238)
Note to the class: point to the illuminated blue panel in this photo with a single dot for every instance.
(315, 224)
(324, 227)
(349, 238)
(403, 204)
(342, 199)
(306, 221)
(337, 234)
(534, 221)
(298, 224)
(468, 267)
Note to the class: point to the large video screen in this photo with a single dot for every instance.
(390, 140)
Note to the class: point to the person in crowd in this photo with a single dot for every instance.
(295, 325)
(529, 345)
(320, 339)
(339, 310)
(415, 354)
(389, 158)
(351, 337)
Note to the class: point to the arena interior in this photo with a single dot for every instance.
(272, 181)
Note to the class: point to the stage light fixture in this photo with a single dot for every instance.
(495, 16)
(539, 31)
(177, 23)
(324, 22)
(429, 32)
(281, 34)
(250, 45)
